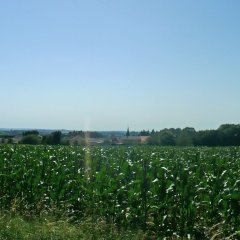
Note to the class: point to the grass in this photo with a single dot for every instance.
(16, 227)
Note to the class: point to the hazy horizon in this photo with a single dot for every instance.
(106, 65)
(111, 130)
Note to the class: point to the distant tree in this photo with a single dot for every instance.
(52, 139)
(153, 132)
(32, 132)
(225, 135)
(229, 134)
(186, 137)
(144, 133)
(207, 138)
(56, 137)
(44, 139)
(10, 140)
(167, 138)
(127, 133)
(154, 139)
(31, 139)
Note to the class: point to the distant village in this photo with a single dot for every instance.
(65, 137)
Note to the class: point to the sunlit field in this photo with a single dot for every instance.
(162, 192)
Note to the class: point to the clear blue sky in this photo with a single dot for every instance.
(107, 64)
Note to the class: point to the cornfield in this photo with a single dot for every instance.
(190, 193)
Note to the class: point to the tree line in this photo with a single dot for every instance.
(55, 138)
(33, 137)
(225, 135)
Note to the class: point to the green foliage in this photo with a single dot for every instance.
(56, 137)
(145, 133)
(186, 137)
(167, 138)
(52, 139)
(163, 191)
(32, 132)
(88, 134)
(10, 140)
(31, 139)
(15, 227)
(225, 135)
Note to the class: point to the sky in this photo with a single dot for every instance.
(110, 64)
